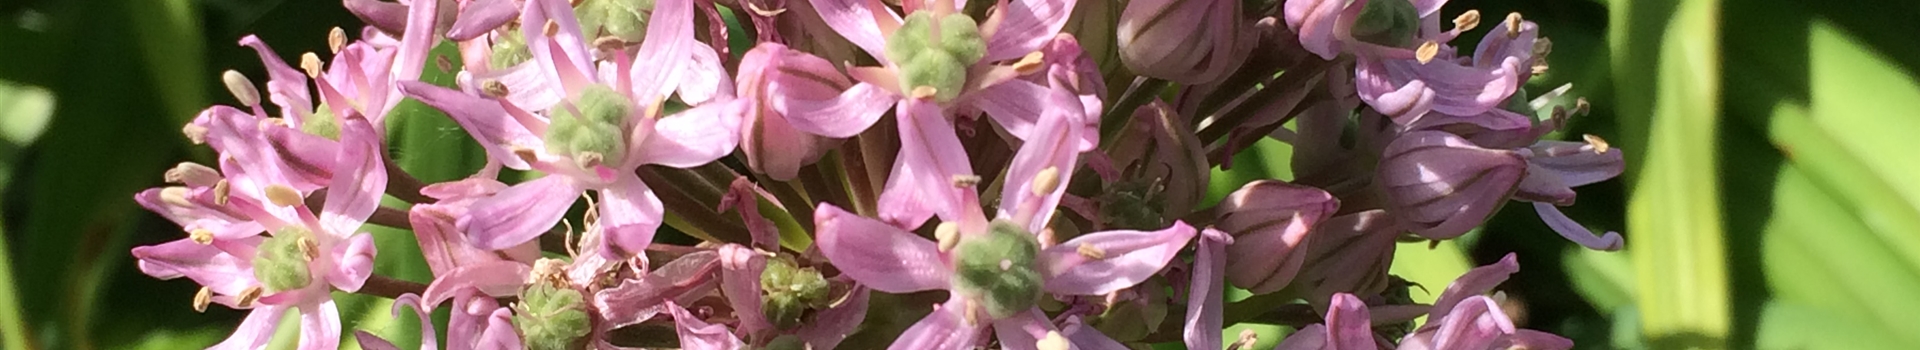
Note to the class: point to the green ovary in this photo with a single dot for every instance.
(321, 123)
(1387, 22)
(998, 270)
(551, 317)
(279, 264)
(939, 62)
(622, 19)
(789, 292)
(591, 130)
(509, 49)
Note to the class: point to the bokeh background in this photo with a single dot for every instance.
(1772, 198)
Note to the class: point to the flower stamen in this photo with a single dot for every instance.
(1052, 341)
(1467, 21)
(1091, 252)
(201, 236)
(1030, 63)
(282, 195)
(241, 87)
(1426, 52)
(947, 234)
(966, 181)
(1513, 25)
(202, 298)
(220, 191)
(1599, 145)
(311, 63)
(336, 39)
(248, 296)
(1046, 181)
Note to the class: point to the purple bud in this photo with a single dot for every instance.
(1188, 42)
(1270, 222)
(1440, 185)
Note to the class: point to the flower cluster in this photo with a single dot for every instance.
(863, 148)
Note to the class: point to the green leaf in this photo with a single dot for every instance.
(1669, 71)
(1604, 279)
(1786, 325)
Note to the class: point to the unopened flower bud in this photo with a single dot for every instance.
(241, 87)
(551, 317)
(1184, 41)
(1440, 185)
(996, 270)
(1271, 222)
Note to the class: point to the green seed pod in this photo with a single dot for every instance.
(551, 317)
(939, 64)
(321, 123)
(997, 269)
(596, 133)
(622, 19)
(1387, 22)
(938, 70)
(509, 49)
(789, 292)
(281, 264)
(960, 36)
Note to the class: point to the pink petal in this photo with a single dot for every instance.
(485, 120)
(422, 16)
(500, 333)
(1130, 257)
(858, 21)
(353, 262)
(1441, 185)
(286, 87)
(1088, 338)
(1573, 231)
(832, 325)
(562, 54)
(669, 38)
(921, 183)
(740, 282)
(1532, 339)
(1575, 169)
(1271, 220)
(1023, 331)
(480, 17)
(1205, 294)
(698, 335)
(386, 16)
(472, 187)
(1349, 325)
(441, 243)
(226, 273)
(1054, 143)
(847, 114)
(1024, 26)
(493, 278)
(519, 213)
(368, 341)
(255, 331)
(201, 215)
(1478, 281)
(879, 255)
(1313, 337)
(1315, 21)
(428, 340)
(320, 326)
(309, 159)
(1398, 97)
(774, 147)
(468, 325)
(528, 86)
(684, 280)
(943, 329)
(692, 138)
(630, 215)
(706, 78)
(360, 179)
(1016, 105)
(1476, 324)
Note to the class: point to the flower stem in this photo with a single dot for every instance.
(390, 288)
(403, 185)
(13, 327)
(1120, 116)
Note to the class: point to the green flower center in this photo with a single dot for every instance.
(622, 19)
(936, 59)
(281, 262)
(1387, 22)
(321, 123)
(592, 129)
(998, 270)
(551, 317)
(509, 49)
(789, 292)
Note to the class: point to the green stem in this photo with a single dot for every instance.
(13, 324)
(1120, 117)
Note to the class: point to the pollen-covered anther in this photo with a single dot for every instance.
(195, 133)
(1046, 181)
(1513, 25)
(221, 190)
(1539, 68)
(493, 88)
(176, 196)
(1091, 252)
(193, 174)
(336, 39)
(970, 312)
(550, 28)
(1052, 341)
(308, 247)
(550, 271)
(525, 154)
(201, 236)
(248, 296)
(589, 159)
(311, 63)
(241, 87)
(1581, 106)
(947, 234)
(282, 195)
(1247, 338)
(1426, 52)
(923, 92)
(1030, 63)
(202, 298)
(268, 123)
(1466, 21)
(609, 43)
(966, 181)
(1599, 145)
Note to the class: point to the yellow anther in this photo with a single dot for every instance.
(308, 247)
(1467, 21)
(1599, 145)
(1030, 63)
(947, 234)
(493, 88)
(336, 39)
(1426, 52)
(311, 63)
(1513, 25)
(1052, 341)
(971, 312)
(202, 298)
(922, 92)
(1581, 106)
(201, 236)
(525, 154)
(241, 87)
(551, 27)
(552, 271)
(284, 196)
(176, 196)
(190, 173)
(1247, 338)
(1091, 252)
(195, 133)
(248, 296)
(1046, 181)
(220, 191)
(966, 181)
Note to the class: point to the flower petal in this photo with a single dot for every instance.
(519, 213)
(387, 16)
(480, 17)
(1313, 337)
(1270, 221)
(879, 255)
(1476, 323)
(368, 341)
(561, 54)
(706, 78)
(834, 324)
(847, 114)
(699, 335)
(1023, 331)
(308, 158)
(286, 87)
(1128, 257)
(352, 262)
(527, 85)
(943, 329)
(669, 38)
(428, 338)
(1441, 185)
(740, 282)
(921, 184)
(692, 138)
(1016, 105)
(225, 272)
(1349, 326)
(493, 278)
(1535, 340)
(1088, 338)
(1478, 281)
(1053, 144)
(255, 331)
(422, 17)
(682, 280)
(320, 326)
(630, 215)
(1573, 231)
(1024, 26)
(858, 21)
(1205, 294)
(1315, 20)
(360, 179)
(200, 213)
(485, 120)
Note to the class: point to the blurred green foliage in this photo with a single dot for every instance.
(1766, 205)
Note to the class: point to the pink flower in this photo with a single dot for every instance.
(1461, 319)
(605, 128)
